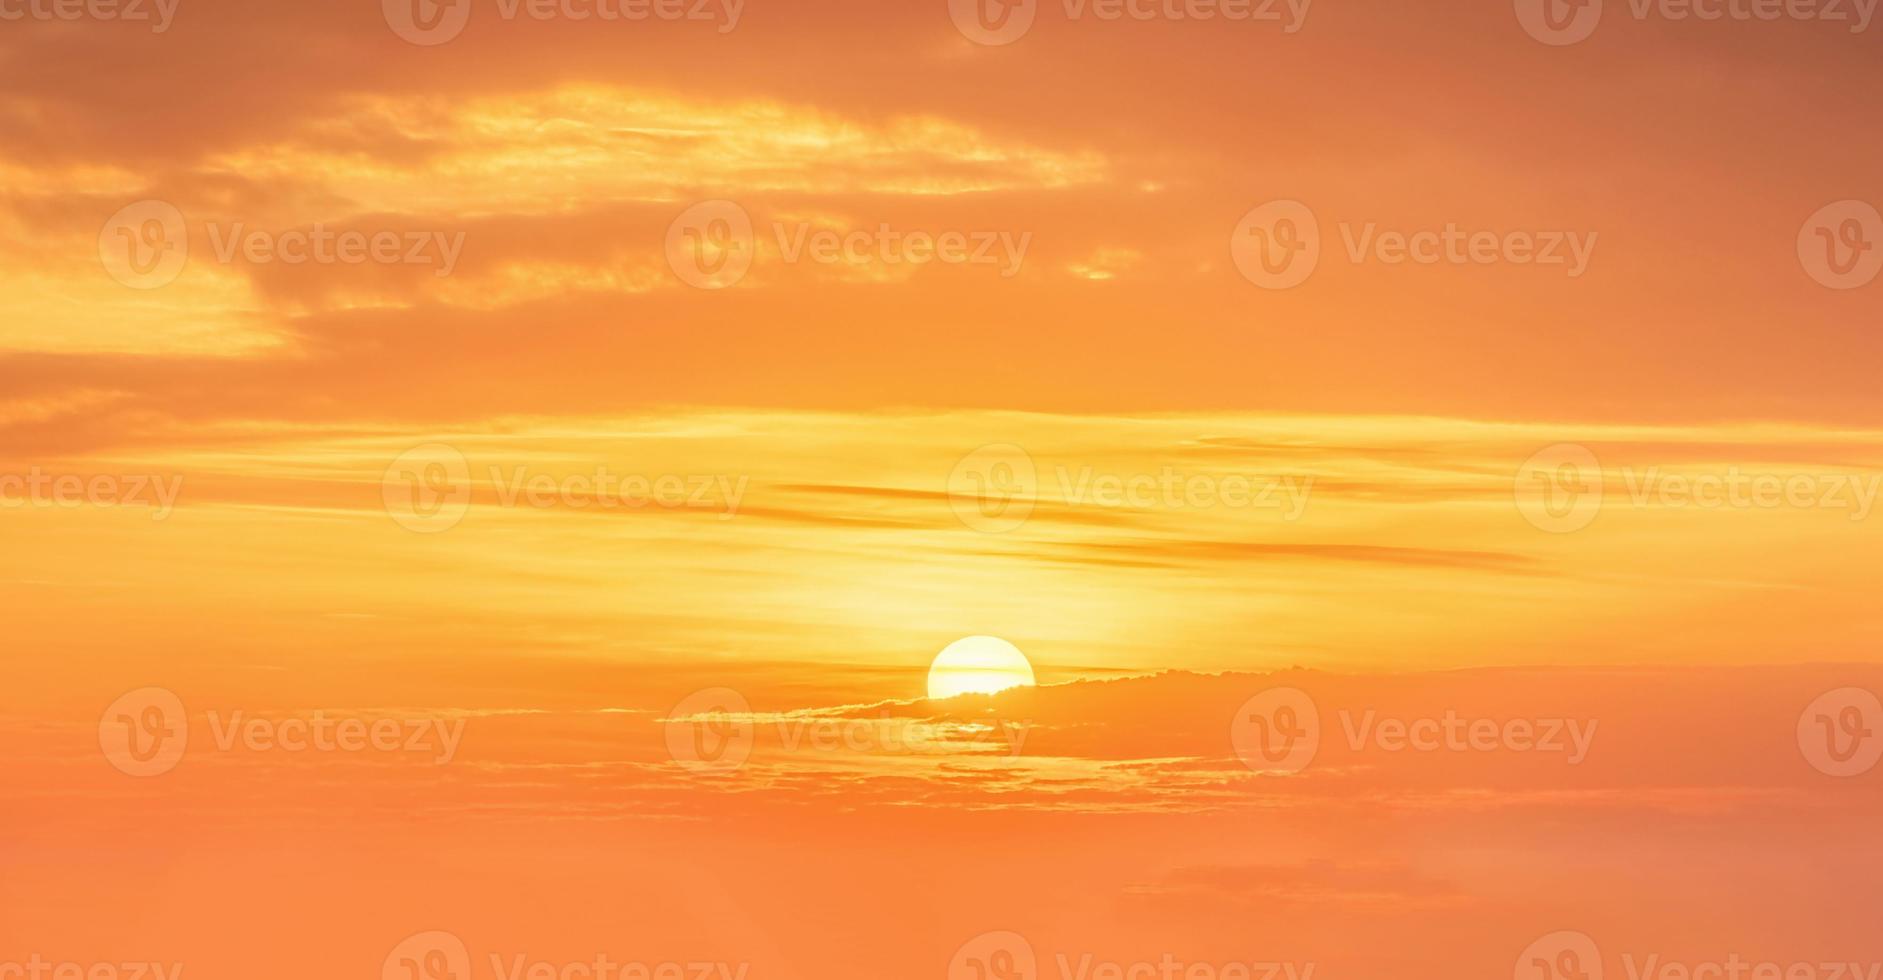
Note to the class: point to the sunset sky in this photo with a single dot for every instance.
(579, 396)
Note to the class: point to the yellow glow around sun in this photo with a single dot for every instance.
(978, 665)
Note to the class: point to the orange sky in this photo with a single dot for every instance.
(638, 385)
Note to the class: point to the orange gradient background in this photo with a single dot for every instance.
(826, 410)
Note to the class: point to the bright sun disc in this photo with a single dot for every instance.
(978, 665)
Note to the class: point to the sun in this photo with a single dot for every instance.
(978, 665)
